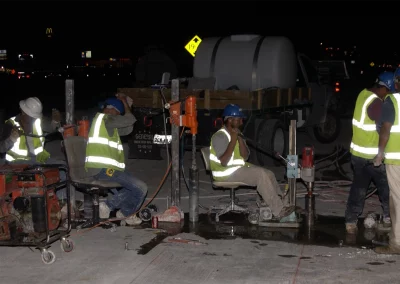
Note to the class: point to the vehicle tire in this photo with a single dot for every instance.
(271, 136)
(327, 132)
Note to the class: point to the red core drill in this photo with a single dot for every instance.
(307, 160)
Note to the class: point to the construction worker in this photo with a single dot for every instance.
(389, 153)
(363, 148)
(105, 160)
(21, 139)
(228, 156)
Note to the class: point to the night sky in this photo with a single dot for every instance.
(113, 29)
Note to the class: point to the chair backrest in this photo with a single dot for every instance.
(205, 152)
(75, 150)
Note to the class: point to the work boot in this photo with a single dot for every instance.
(387, 250)
(386, 222)
(286, 211)
(131, 220)
(104, 210)
(351, 228)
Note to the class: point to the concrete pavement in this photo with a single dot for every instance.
(231, 256)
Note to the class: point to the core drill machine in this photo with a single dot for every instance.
(30, 212)
(177, 120)
(294, 170)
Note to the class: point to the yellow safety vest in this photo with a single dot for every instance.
(103, 151)
(19, 151)
(364, 143)
(236, 161)
(392, 150)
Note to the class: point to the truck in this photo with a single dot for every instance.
(267, 78)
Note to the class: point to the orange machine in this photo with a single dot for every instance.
(189, 119)
(29, 207)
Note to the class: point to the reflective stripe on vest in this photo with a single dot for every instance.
(361, 123)
(365, 138)
(392, 150)
(234, 163)
(19, 151)
(103, 151)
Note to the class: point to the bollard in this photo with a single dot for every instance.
(193, 195)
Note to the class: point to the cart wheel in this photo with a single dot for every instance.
(48, 257)
(67, 245)
(253, 218)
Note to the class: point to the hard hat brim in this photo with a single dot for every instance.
(25, 109)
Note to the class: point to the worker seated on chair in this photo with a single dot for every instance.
(105, 160)
(22, 137)
(228, 153)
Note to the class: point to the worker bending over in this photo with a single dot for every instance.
(228, 153)
(105, 160)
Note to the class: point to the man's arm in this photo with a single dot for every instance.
(386, 120)
(374, 110)
(8, 138)
(123, 123)
(244, 150)
(223, 148)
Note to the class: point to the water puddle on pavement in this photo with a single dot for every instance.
(327, 231)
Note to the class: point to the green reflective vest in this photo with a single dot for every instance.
(364, 143)
(220, 172)
(103, 151)
(19, 151)
(392, 150)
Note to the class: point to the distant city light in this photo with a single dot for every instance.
(353, 62)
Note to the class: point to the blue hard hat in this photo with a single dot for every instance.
(386, 79)
(115, 103)
(233, 110)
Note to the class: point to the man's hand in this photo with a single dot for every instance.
(14, 134)
(378, 159)
(122, 97)
(234, 134)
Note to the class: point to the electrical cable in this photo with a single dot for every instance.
(165, 124)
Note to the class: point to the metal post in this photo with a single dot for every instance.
(69, 120)
(292, 151)
(175, 187)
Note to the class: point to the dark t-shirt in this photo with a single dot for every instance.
(388, 113)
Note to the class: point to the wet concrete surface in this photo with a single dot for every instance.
(327, 231)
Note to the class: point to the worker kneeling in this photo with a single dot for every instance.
(105, 161)
(228, 153)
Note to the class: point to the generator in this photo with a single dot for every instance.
(30, 212)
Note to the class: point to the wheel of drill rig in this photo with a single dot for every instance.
(253, 218)
(48, 257)
(67, 245)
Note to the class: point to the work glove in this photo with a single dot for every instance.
(378, 159)
(123, 97)
(14, 134)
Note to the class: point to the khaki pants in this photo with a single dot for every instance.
(393, 174)
(264, 180)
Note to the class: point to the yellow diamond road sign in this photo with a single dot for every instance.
(372, 64)
(193, 44)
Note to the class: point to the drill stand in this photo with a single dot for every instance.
(189, 119)
(292, 172)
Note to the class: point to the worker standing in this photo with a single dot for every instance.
(105, 160)
(228, 153)
(363, 148)
(389, 152)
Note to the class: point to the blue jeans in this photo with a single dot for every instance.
(129, 197)
(364, 172)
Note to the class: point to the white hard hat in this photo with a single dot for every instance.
(32, 107)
